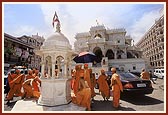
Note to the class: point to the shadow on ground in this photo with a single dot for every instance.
(9, 106)
(141, 100)
(99, 105)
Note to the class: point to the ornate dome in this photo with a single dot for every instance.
(57, 39)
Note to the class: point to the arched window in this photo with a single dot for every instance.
(129, 55)
(98, 35)
(119, 53)
(110, 54)
(98, 52)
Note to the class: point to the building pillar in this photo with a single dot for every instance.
(53, 70)
(115, 54)
(70, 68)
(58, 74)
(49, 73)
(65, 68)
(125, 53)
(42, 70)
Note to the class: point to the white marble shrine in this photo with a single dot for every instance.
(56, 56)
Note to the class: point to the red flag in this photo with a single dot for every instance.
(55, 19)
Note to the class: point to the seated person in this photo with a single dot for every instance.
(83, 96)
(30, 85)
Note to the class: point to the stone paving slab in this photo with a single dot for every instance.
(32, 106)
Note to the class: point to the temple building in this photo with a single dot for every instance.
(112, 47)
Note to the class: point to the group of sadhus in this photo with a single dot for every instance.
(83, 83)
(26, 86)
(116, 86)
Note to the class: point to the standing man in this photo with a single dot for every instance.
(11, 76)
(77, 75)
(145, 75)
(87, 73)
(116, 87)
(93, 84)
(103, 85)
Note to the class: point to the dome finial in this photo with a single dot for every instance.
(56, 20)
(97, 23)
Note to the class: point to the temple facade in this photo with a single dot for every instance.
(112, 47)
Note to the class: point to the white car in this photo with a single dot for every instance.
(159, 73)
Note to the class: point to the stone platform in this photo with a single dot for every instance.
(55, 92)
(32, 106)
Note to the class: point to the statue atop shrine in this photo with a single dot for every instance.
(56, 23)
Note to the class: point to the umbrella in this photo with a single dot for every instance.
(85, 57)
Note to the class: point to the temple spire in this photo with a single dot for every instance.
(133, 42)
(57, 22)
(97, 23)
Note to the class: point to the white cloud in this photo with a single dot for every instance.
(141, 26)
(22, 30)
(26, 30)
(79, 18)
(76, 18)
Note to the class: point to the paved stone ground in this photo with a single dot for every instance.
(32, 106)
(152, 102)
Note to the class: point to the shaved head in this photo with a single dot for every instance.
(113, 70)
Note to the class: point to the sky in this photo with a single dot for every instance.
(32, 18)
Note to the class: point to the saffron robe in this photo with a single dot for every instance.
(116, 88)
(103, 86)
